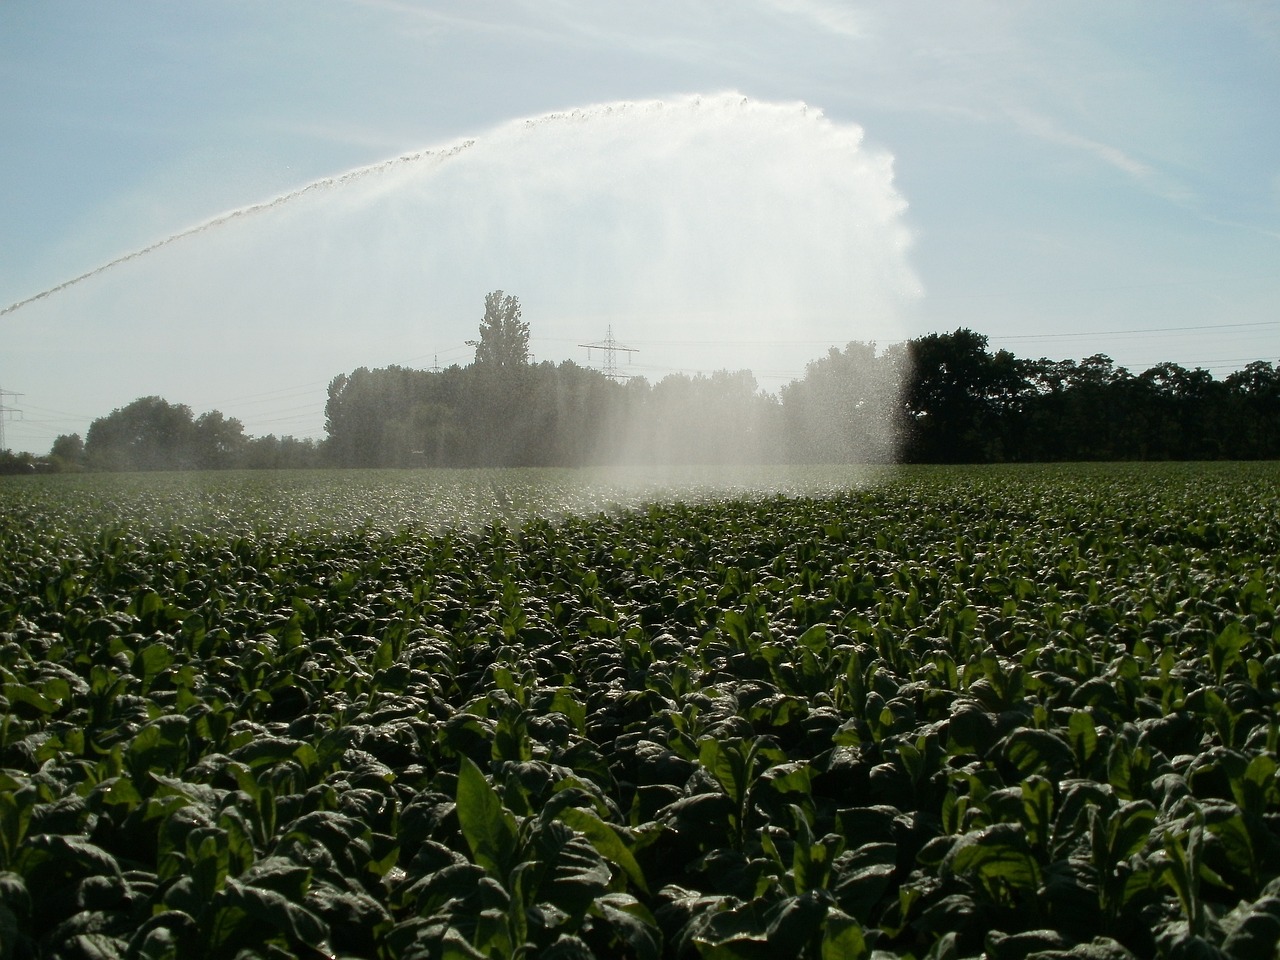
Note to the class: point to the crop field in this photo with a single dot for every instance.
(946, 713)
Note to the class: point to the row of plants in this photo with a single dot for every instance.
(1014, 713)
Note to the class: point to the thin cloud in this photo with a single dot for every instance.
(1148, 176)
(439, 21)
(831, 17)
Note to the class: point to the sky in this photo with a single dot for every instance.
(713, 183)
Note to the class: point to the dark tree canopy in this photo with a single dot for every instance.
(153, 434)
(149, 434)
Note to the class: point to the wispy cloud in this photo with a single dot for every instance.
(436, 20)
(1149, 177)
(1044, 128)
(834, 18)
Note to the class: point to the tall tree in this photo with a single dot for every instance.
(67, 451)
(217, 441)
(955, 397)
(148, 434)
(846, 407)
(504, 337)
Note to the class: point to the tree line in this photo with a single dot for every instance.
(965, 404)
(941, 398)
(505, 410)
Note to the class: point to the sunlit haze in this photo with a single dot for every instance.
(719, 185)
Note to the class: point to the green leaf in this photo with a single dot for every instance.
(488, 827)
(862, 878)
(1035, 751)
(1257, 788)
(1224, 650)
(19, 694)
(1084, 738)
(161, 746)
(264, 906)
(150, 661)
(996, 858)
(790, 778)
(570, 872)
(1129, 829)
(1254, 930)
(842, 938)
(630, 925)
(569, 703)
(267, 751)
(1236, 844)
(607, 842)
(726, 762)
(1037, 810)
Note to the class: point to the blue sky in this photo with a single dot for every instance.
(1067, 179)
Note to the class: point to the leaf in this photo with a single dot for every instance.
(1224, 649)
(65, 857)
(1035, 751)
(727, 762)
(1254, 930)
(607, 842)
(790, 778)
(868, 824)
(267, 751)
(150, 661)
(1236, 844)
(93, 946)
(21, 695)
(996, 858)
(568, 702)
(570, 874)
(862, 878)
(567, 947)
(629, 924)
(1037, 810)
(280, 875)
(1084, 738)
(265, 906)
(488, 827)
(160, 745)
(1129, 829)
(1257, 787)
(795, 922)
(842, 938)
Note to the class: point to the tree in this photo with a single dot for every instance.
(956, 396)
(217, 441)
(846, 407)
(67, 451)
(153, 434)
(1255, 393)
(148, 434)
(504, 337)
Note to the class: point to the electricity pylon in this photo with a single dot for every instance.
(611, 350)
(4, 413)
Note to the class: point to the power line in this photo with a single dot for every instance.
(4, 414)
(1120, 333)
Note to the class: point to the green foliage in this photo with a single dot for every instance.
(1005, 712)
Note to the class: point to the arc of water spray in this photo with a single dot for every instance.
(359, 173)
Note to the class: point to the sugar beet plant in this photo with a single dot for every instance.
(1005, 713)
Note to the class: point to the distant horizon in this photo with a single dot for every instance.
(726, 186)
(880, 350)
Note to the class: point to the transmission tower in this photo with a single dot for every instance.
(611, 349)
(5, 411)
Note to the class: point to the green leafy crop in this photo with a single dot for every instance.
(1007, 712)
